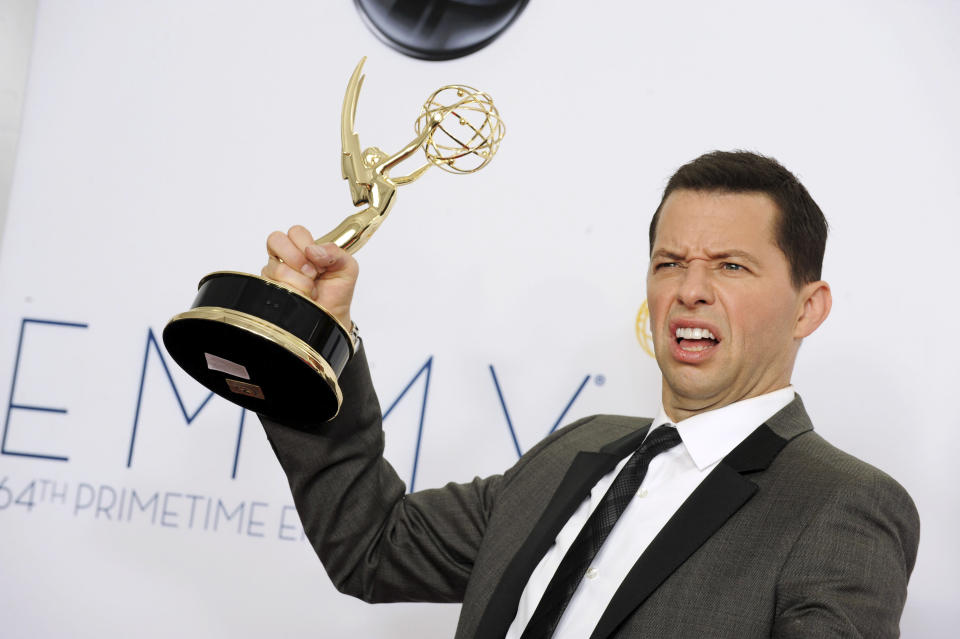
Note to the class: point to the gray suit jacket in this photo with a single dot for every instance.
(787, 537)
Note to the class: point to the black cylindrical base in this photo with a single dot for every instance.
(263, 347)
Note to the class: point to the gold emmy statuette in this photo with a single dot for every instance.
(265, 346)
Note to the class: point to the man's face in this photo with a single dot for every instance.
(723, 310)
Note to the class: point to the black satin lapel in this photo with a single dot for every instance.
(756, 452)
(586, 469)
(715, 500)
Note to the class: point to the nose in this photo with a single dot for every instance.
(696, 286)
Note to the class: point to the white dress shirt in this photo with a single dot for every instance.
(670, 479)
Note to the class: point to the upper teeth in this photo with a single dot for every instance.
(694, 333)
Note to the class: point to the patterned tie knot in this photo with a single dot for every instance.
(659, 440)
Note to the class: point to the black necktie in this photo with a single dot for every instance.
(584, 548)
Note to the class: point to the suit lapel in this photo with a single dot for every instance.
(715, 500)
(586, 469)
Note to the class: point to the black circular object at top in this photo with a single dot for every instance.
(439, 29)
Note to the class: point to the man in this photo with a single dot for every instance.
(731, 519)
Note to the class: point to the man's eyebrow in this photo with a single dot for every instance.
(733, 253)
(663, 253)
(716, 255)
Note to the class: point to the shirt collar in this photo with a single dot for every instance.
(711, 435)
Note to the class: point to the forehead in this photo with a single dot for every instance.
(717, 220)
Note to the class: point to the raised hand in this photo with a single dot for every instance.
(325, 273)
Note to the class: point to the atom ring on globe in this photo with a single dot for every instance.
(263, 345)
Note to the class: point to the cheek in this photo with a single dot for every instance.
(658, 313)
(653, 303)
(661, 289)
(765, 322)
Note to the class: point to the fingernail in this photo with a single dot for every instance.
(308, 270)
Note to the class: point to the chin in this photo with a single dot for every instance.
(695, 390)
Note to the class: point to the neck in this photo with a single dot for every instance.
(679, 408)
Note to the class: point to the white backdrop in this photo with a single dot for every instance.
(164, 140)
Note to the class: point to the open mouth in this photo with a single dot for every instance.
(695, 340)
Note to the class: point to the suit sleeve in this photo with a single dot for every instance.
(847, 574)
(375, 541)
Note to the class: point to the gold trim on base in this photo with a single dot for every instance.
(268, 331)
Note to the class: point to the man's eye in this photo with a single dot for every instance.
(730, 266)
(666, 265)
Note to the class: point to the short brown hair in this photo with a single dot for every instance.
(801, 228)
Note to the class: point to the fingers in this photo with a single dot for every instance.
(287, 262)
(288, 248)
(280, 272)
(329, 260)
(338, 271)
(302, 238)
(319, 271)
(323, 257)
(281, 247)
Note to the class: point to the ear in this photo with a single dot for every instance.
(815, 303)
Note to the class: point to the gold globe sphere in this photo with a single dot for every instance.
(469, 133)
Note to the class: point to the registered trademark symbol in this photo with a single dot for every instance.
(599, 380)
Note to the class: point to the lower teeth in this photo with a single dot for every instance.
(696, 345)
